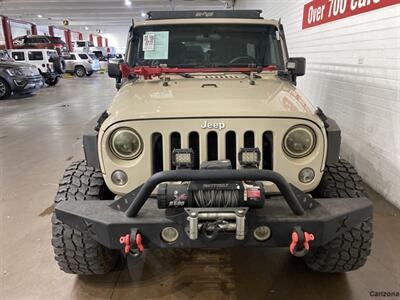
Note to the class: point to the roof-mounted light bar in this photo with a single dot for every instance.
(204, 14)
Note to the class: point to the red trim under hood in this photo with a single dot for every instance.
(150, 72)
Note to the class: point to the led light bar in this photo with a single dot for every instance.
(249, 157)
(183, 158)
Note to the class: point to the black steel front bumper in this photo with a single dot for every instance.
(107, 221)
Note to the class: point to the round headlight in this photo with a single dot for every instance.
(126, 143)
(299, 141)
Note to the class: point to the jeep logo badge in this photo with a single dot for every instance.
(213, 125)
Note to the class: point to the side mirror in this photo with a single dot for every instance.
(297, 66)
(113, 68)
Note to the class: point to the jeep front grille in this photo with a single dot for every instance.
(209, 146)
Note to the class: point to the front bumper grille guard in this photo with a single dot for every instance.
(138, 197)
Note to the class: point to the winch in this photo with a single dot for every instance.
(211, 194)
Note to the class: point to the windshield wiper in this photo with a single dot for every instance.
(185, 75)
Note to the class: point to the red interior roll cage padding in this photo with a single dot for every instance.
(150, 72)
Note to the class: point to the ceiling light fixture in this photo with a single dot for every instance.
(143, 14)
(86, 28)
(128, 2)
(40, 16)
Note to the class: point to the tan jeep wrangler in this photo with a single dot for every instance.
(208, 144)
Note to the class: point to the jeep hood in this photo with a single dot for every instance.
(208, 96)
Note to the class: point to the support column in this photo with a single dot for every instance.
(7, 32)
(34, 29)
(80, 36)
(51, 30)
(68, 39)
(91, 37)
(99, 41)
(106, 42)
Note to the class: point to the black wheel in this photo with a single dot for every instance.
(89, 73)
(5, 90)
(349, 250)
(58, 64)
(80, 71)
(75, 252)
(340, 180)
(52, 81)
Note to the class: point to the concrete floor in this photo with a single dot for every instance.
(41, 135)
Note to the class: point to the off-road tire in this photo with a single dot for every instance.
(80, 71)
(347, 252)
(5, 90)
(58, 64)
(340, 180)
(75, 252)
(52, 82)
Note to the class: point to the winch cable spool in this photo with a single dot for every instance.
(216, 198)
(206, 194)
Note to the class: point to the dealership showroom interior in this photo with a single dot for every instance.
(199, 149)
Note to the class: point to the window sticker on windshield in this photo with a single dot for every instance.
(148, 42)
(155, 45)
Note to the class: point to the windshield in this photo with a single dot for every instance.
(4, 56)
(83, 56)
(206, 45)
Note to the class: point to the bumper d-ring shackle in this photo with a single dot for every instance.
(300, 239)
(132, 243)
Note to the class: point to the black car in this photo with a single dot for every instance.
(41, 42)
(17, 78)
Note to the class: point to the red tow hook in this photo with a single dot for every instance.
(139, 244)
(126, 241)
(300, 242)
(132, 242)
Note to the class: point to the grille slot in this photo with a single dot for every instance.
(157, 152)
(249, 139)
(267, 150)
(195, 145)
(213, 145)
(230, 148)
(175, 144)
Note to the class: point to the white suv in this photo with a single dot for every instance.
(81, 64)
(50, 65)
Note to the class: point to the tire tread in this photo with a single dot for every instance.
(340, 180)
(74, 251)
(349, 250)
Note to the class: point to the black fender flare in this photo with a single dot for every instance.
(90, 135)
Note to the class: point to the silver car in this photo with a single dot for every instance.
(80, 64)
